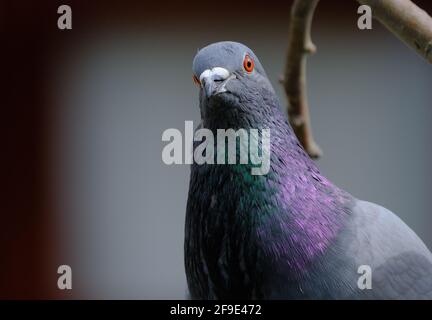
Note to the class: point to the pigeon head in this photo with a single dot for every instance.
(231, 79)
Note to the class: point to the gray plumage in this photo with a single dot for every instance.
(289, 234)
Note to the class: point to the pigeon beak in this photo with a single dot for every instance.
(213, 81)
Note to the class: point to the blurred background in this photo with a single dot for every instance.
(84, 111)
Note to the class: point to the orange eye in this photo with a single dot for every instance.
(196, 80)
(248, 63)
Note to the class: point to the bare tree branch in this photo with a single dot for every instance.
(402, 17)
(299, 46)
(407, 21)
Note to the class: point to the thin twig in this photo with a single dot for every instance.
(402, 17)
(407, 21)
(299, 46)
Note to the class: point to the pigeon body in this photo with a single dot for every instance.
(291, 233)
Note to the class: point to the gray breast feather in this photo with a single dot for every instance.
(400, 262)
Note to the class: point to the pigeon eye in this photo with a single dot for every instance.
(248, 63)
(196, 80)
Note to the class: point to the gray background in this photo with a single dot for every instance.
(122, 209)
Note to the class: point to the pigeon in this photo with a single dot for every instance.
(290, 233)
